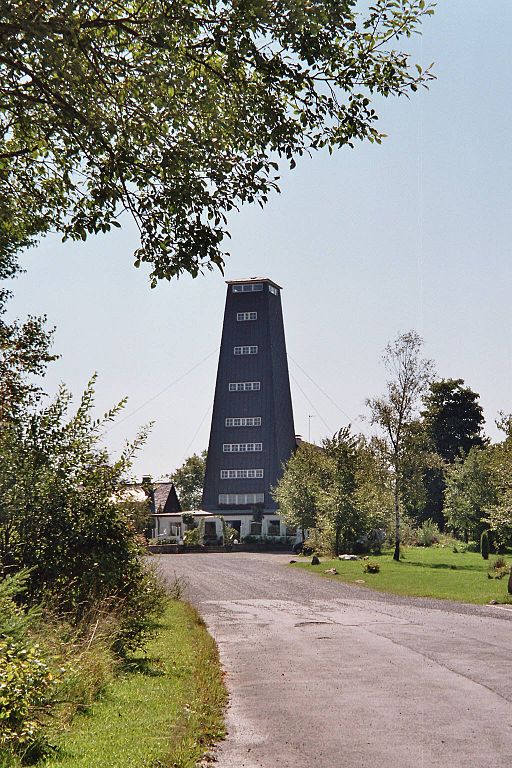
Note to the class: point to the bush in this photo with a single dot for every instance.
(427, 534)
(63, 494)
(370, 566)
(372, 541)
(51, 668)
(498, 569)
(192, 537)
(27, 685)
(27, 689)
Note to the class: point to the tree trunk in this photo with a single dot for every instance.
(338, 531)
(396, 553)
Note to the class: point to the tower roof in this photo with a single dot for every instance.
(255, 280)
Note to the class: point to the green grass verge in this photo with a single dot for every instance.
(423, 572)
(166, 711)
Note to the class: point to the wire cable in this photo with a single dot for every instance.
(322, 390)
(185, 454)
(311, 404)
(162, 391)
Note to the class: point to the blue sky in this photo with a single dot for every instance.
(367, 243)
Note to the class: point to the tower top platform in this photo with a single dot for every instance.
(255, 280)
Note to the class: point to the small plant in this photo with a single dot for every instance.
(427, 534)
(498, 569)
(484, 545)
(177, 588)
(371, 566)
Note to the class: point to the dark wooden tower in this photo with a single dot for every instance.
(252, 430)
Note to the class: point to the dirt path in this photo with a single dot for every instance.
(330, 675)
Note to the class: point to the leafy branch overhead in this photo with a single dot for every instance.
(179, 111)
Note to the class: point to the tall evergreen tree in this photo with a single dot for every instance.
(453, 420)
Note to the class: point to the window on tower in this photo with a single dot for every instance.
(244, 386)
(241, 474)
(245, 350)
(247, 287)
(273, 290)
(243, 421)
(241, 498)
(242, 447)
(240, 316)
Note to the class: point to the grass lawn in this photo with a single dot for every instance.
(165, 712)
(424, 572)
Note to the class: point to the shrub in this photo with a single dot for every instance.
(27, 685)
(498, 569)
(192, 537)
(484, 545)
(427, 534)
(63, 494)
(370, 566)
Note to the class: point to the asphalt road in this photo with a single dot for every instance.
(331, 675)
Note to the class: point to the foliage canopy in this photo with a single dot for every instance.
(189, 480)
(178, 111)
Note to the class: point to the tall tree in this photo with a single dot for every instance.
(453, 421)
(299, 489)
(453, 418)
(178, 111)
(189, 480)
(395, 412)
(339, 509)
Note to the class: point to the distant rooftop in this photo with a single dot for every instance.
(254, 280)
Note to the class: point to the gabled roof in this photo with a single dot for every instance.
(166, 498)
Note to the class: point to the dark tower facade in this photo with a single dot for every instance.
(252, 431)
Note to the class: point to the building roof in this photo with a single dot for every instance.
(166, 498)
(254, 280)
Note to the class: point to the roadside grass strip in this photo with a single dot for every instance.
(164, 712)
(423, 572)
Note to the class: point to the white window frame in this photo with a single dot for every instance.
(252, 350)
(244, 386)
(243, 421)
(242, 447)
(241, 316)
(241, 498)
(274, 523)
(241, 474)
(247, 287)
(273, 290)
